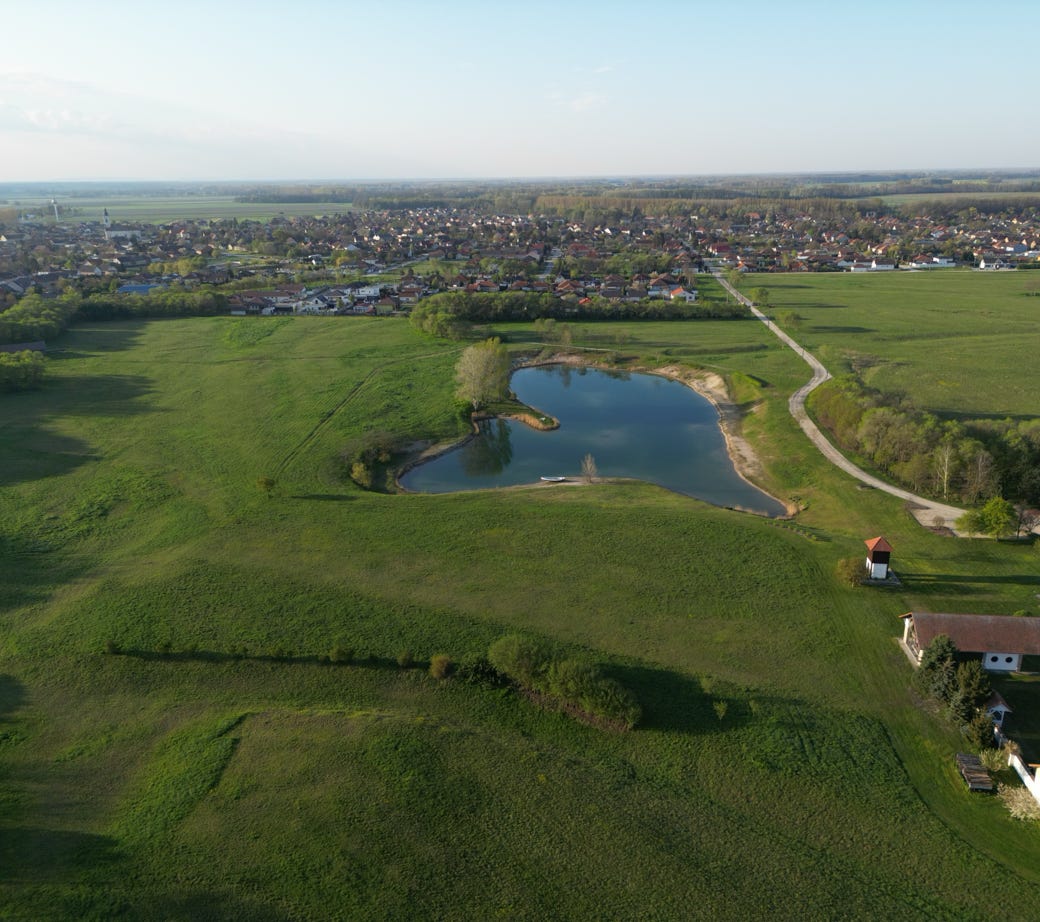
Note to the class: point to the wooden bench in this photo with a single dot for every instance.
(975, 774)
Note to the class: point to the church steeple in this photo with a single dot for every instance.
(105, 220)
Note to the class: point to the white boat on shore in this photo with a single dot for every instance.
(553, 479)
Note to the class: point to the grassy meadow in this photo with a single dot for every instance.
(215, 767)
(957, 342)
(163, 209)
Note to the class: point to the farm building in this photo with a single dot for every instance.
(1001, 640)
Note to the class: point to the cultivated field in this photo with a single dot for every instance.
(213, 767)
(162, 209)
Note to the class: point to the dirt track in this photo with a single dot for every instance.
(928, 512)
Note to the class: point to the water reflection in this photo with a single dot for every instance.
(490, 452)
(635, 425)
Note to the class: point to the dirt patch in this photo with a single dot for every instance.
(712, 387)
(543, 424)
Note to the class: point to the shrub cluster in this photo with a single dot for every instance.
(21, 371)
(962, 689)
(1020, 803)
(574, 683)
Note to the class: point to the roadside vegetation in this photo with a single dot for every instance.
(929, 386)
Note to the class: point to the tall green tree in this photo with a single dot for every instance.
(482, 372)
(997, 518)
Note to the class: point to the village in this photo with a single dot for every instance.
(386, 260)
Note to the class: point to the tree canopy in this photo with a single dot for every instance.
(482, 372)
(996, 518)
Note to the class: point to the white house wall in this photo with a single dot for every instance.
(1001, 662)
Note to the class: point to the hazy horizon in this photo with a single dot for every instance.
(251, 92)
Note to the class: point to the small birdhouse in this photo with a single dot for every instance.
(879, 553)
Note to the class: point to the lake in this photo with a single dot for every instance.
(634, 425)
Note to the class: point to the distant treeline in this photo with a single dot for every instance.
(442, 314)
(490, 197)
(34, 317)
(616, 199)
(967, 461)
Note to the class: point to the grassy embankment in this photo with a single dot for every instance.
(236, 774)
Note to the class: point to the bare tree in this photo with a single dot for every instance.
(945, 462)
(588, 468)
(981, 475)
(1028, 519)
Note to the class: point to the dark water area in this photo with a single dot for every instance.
(634, 425)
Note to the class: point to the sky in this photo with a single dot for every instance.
(395, 89)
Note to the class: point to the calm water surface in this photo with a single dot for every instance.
(634, 425)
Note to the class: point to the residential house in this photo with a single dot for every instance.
(1001, 640)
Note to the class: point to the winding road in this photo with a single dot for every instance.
(928, 512)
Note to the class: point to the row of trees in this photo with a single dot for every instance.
(969, 462)
(34, 317)
(21, 371)
(454, 307)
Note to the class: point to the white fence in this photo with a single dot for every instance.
(1032, 783)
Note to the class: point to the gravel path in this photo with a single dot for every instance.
(928, 512)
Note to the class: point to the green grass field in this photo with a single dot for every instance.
(163, 209)
(214, 768)
(956, 342)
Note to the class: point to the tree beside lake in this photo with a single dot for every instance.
(482, 372)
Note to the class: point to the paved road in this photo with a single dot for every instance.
(928, 512)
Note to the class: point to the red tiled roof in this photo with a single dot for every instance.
(878, 544)
(978, 633)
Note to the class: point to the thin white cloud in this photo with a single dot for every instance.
(587, 102)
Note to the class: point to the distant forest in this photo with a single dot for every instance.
(658, 197)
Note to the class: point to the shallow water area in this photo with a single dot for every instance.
(634, 425)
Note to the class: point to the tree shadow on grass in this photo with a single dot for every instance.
(34, 453)
(90, 337)
(35, 856)
(671, 701)
(99, 395)
(945, 580)
(12, 695)
(32, 449)
(357, 659)
(30, 570)
(327, 497)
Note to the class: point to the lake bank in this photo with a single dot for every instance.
(698, 452)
